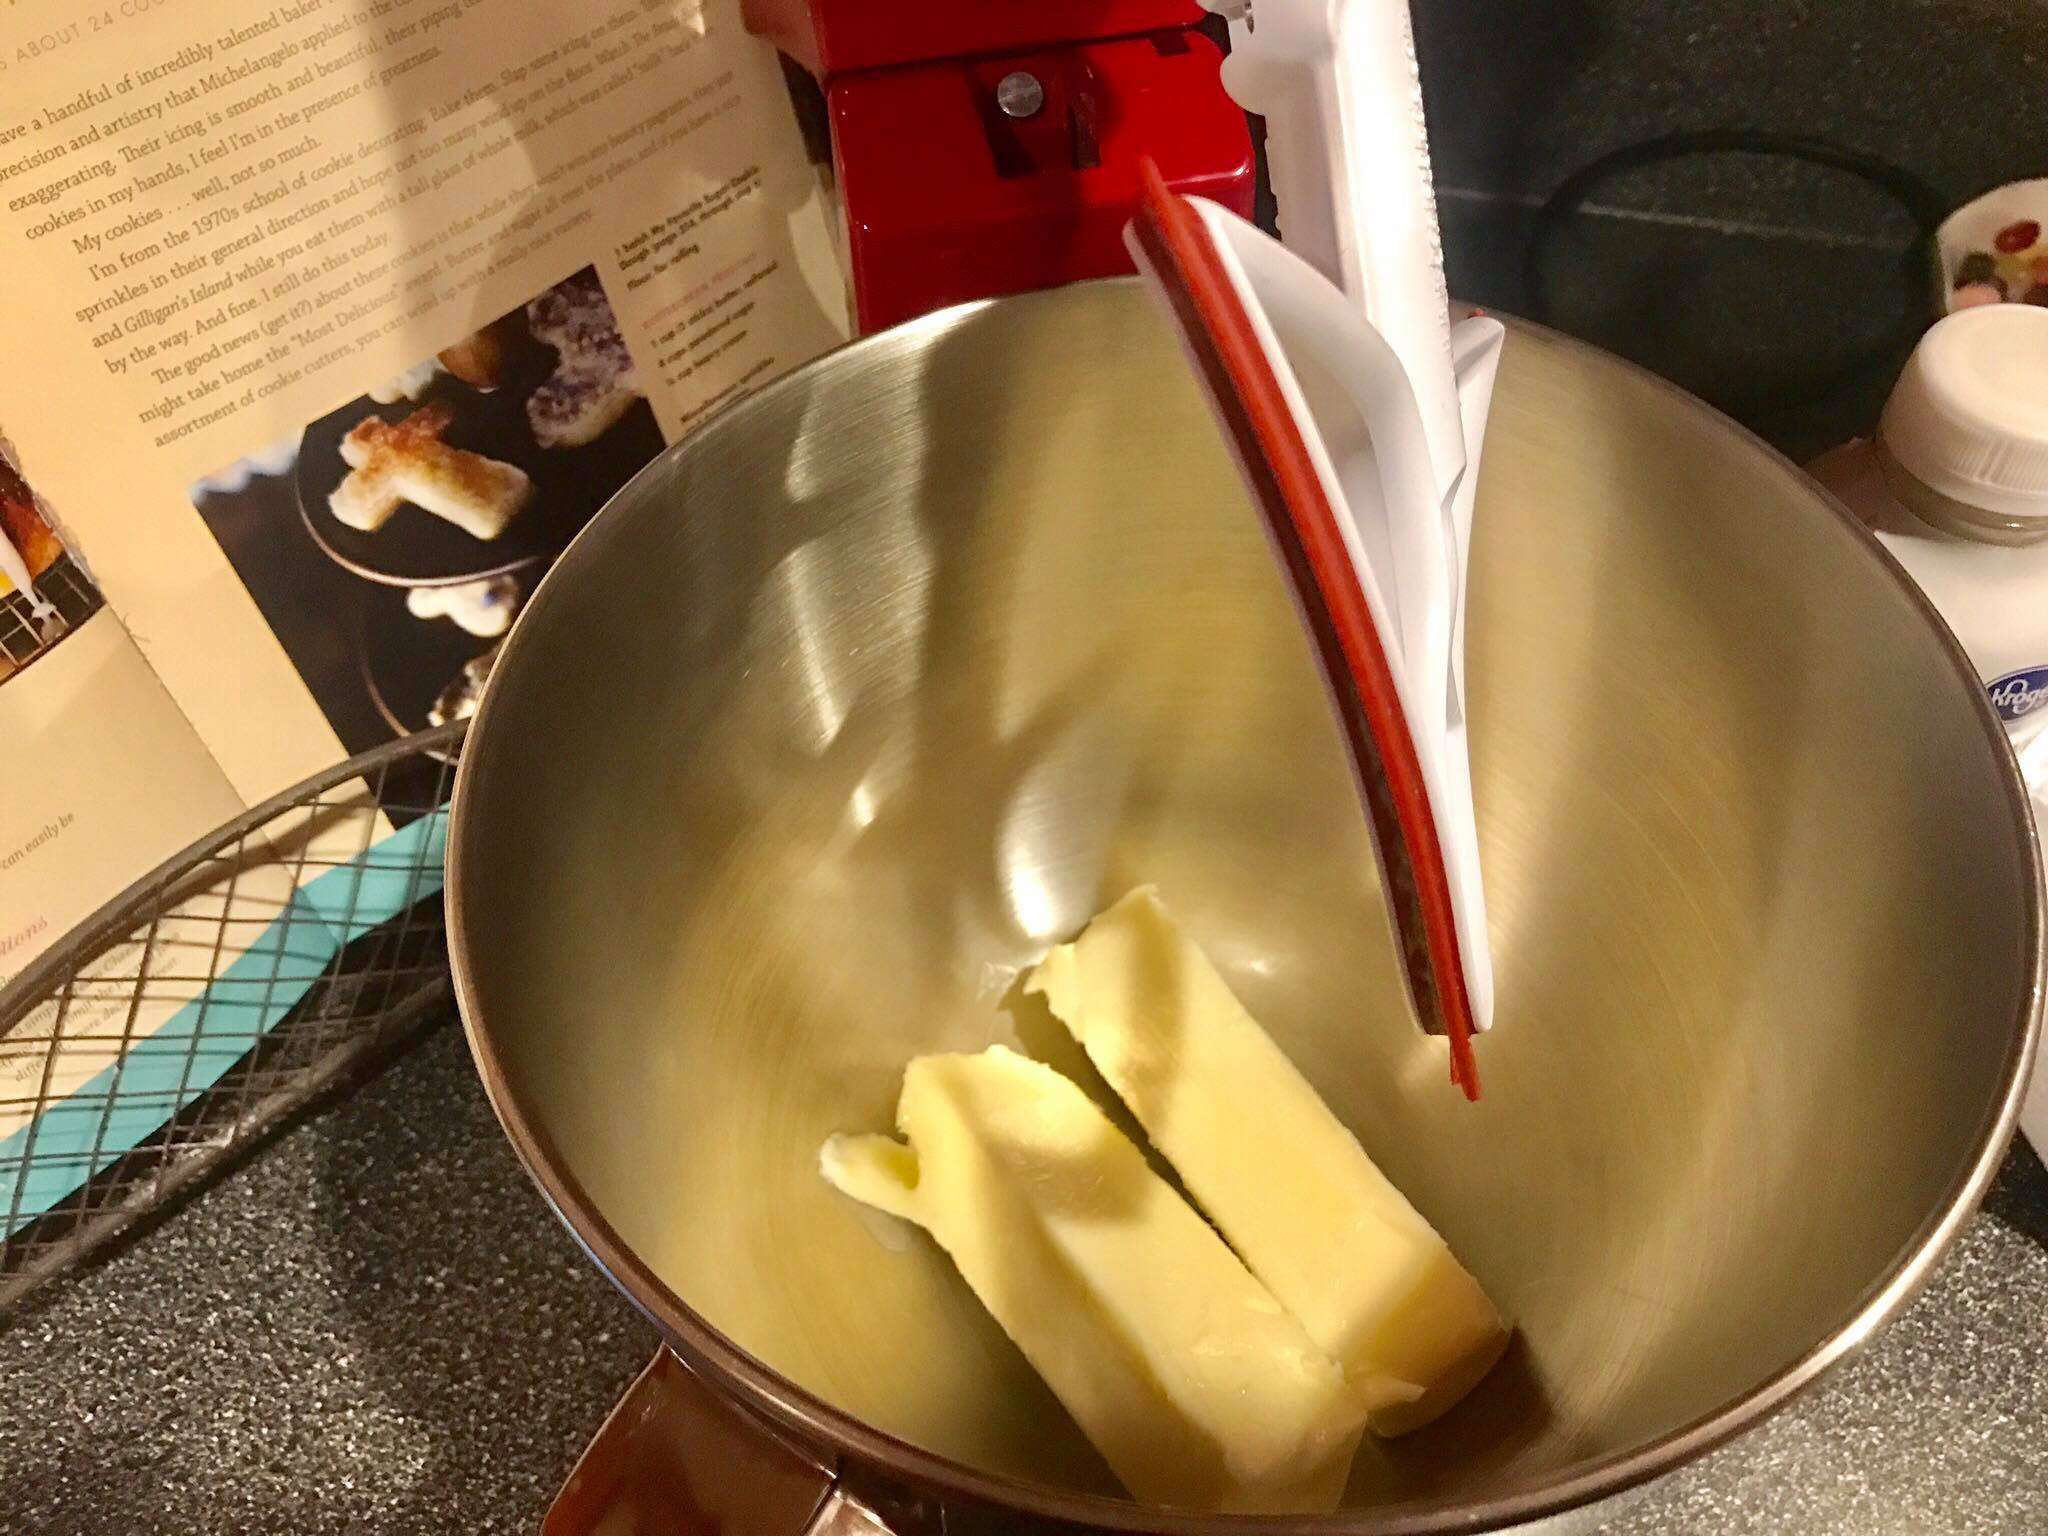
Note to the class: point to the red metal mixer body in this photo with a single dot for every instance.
(991, 149)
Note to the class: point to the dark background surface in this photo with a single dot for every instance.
(376, 1326)
(1731, 274)
(1522, 94)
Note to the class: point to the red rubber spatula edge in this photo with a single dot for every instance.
(1180, 256)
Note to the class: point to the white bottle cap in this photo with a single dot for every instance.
(1969, 417)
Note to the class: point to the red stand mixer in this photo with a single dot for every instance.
(993, 148)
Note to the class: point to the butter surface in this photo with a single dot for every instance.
(1192, 1380)
(1370, 1280)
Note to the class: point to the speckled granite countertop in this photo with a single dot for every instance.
(374, 1325)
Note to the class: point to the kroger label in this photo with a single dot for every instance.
(2019, 694)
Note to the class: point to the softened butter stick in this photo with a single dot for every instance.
(1194, 1383)
(1374, 1285)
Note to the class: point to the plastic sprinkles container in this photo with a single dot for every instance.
(1955, 484)
(1995, 250)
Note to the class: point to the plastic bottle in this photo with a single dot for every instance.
(1955, 485)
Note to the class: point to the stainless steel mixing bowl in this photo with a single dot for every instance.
(889, 677)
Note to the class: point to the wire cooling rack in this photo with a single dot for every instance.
(217, 994)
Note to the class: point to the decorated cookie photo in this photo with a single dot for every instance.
(391, 543)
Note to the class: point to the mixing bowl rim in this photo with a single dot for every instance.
(795, 1409)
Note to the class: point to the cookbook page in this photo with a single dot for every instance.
(103, 776)
(330, 322)
(104, 779)
(334, 319)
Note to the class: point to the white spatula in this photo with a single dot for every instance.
(1356, 412)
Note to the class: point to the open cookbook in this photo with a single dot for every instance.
(329, 323)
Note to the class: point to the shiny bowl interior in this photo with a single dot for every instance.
(863, 695)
